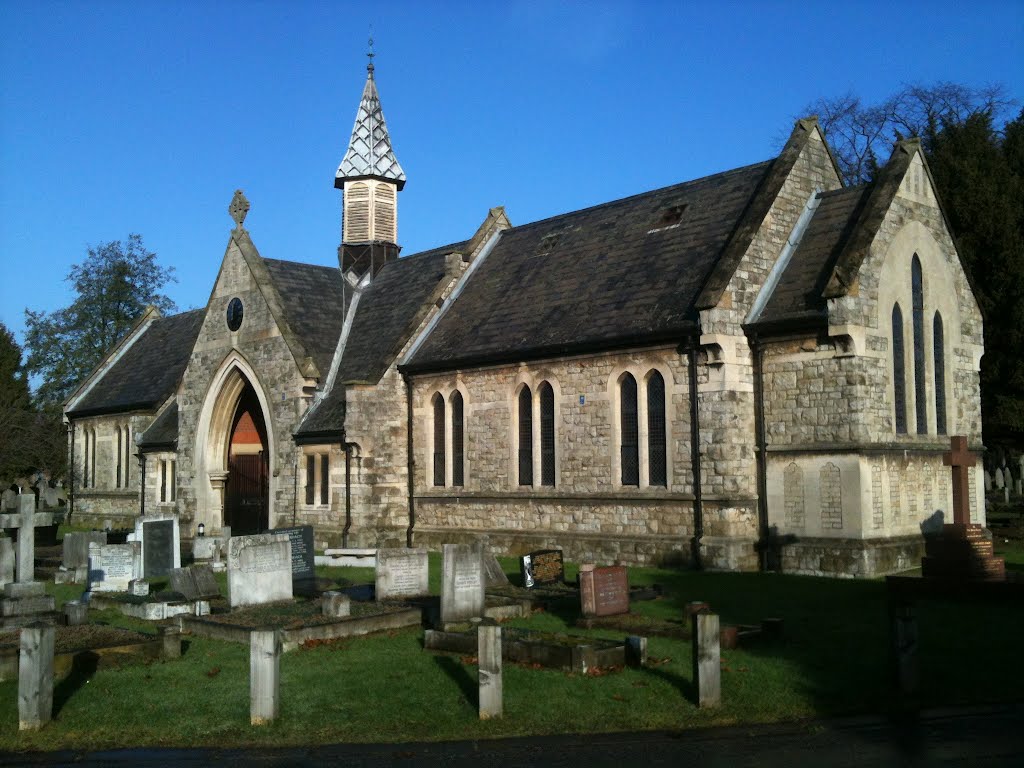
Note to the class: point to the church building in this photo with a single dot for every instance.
(755, 369)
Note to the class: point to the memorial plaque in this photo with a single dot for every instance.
(401, 573)
(303, 554)
(604, 591)
(161, 544)
(462, 582)
(542, 567)
(113, 566)
(196, 582)
(259, 569)
(157, 552)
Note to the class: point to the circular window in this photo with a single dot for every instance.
(235, 314)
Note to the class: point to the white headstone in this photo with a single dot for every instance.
(259, 569)
(401, 573)
(462, 582)
(112, 567)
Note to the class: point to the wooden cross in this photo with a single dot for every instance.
(26, 520)
(960, 459)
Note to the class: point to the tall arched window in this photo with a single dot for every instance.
(458, 441)
(127, 453)
(547, 434)
(658, 470)
(920, 388)
(630, 429)
(85, 459)
(92, 480)
(525, 437)
(939, 360)
(120, 453)
(899, 374)
(439, 429)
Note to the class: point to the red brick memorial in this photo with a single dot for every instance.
(963, 550)
(604, 591)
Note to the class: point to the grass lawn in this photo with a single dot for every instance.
(385, 688)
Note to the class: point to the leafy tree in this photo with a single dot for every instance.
(979, 172)
(15, 409)
(112, 286)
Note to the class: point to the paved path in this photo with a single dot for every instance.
(974, 737)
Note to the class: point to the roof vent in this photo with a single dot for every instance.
(670, 217)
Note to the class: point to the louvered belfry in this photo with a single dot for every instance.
(370, 178)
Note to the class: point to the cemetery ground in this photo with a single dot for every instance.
(830, 660)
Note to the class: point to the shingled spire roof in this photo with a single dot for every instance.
(369, 152)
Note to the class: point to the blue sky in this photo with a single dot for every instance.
(121, 117)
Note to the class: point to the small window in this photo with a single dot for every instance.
(92, 480)
(899, 375)
(163, 480)
(547, 434)
(127, 453)
(439, 429)
(458, 441)
(658, 471)
(120, 449)
(630, 430)
(85, 459)
(325, 478)
(173, 480)
(525, 437)
(310, 478)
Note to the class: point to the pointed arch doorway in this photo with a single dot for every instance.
(246, 490)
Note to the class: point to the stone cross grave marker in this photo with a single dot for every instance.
(161, 543)
(259, 569)
(112, 567)
(462, 583)
(401, 573)
(303, 555)
(604, 591)
(542, 567)
(26, 521)
(961, 460)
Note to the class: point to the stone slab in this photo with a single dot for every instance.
(462, 583)
(604, 591)
(542, 567)
(113, 566)
(75, 548)
(303, 554)
(401, 573)
(259, 569)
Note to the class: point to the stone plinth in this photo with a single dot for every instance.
(962, 551)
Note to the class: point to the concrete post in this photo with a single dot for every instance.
(489, 655)
(636, 651)
(264, 676)
(35, 677)
(172, 642)
(76, 612)
(707, 660)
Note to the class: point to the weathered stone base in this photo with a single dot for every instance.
(852, 558)
(579, 547)
(723, 553)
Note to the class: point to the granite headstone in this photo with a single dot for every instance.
(542, 567)
(161, 543)
(604, 591)
(303, 554)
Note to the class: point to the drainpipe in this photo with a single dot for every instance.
(762, 459)
(295, 490)
(348, 494)
(142, 483)
(698, 493)
(410, 463)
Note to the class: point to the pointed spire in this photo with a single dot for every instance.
(369, 152)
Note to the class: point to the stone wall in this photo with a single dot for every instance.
(105, 501)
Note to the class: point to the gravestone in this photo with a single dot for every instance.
(76, 548)
(35, 676)
(6, 561)
(264, 674)
(462, 583)
(161, 543)
(988, 481)
(494, 574)
(8, 500)
(542, 567)
(25, 597)
(196, 582)
(488, 654)
(303, 571)
(259, 569)
(707, 659)
(336, 604)
(401, 573)
(604, 591)
(112, 567)
(1000, 482)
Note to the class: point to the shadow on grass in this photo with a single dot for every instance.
(83, 667)
(684, 685)
(460, 676)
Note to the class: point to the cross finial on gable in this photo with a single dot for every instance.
(238, 209)
(370, 54)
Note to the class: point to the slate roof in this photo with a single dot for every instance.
(314, 300)
(389, 311)
(149, 370)
(163, 432)
(369, 150)
(798, 295)
(606, 277)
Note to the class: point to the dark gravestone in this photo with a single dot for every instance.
(604, 591)
(303, 572)
(158, 548)
(542, 567)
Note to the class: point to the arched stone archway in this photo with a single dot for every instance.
(234, 451)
